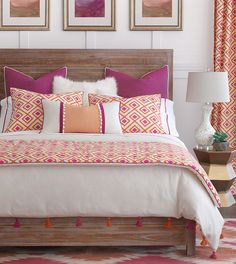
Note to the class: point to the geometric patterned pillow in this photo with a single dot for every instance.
(139, 114)
(27, 108)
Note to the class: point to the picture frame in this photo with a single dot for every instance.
(156, 15)
(93, 15)
(24, 15)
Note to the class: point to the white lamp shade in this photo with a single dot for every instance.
(208, 87)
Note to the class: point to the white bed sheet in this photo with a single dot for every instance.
(106, 190)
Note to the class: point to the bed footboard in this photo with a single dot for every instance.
(95, 231)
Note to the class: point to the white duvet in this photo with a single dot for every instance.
(106, 190)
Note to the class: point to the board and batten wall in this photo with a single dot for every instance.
(193, 48)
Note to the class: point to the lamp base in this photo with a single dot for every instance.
(204, 134)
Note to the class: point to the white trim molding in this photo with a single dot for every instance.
(23, 39)
(181, 69)
(90, 40)
(156, 39)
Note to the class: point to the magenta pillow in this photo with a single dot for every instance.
(43, 85)
(154, 82)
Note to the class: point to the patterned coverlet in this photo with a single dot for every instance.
(45, 152)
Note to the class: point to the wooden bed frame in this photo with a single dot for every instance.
(89, 65)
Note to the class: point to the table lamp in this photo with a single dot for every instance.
(207, 88)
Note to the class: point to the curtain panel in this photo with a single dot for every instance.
(224, 114)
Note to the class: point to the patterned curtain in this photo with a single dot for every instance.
(224, 114)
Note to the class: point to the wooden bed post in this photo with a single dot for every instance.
(191, 241)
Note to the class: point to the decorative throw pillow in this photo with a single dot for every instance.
(43, 85)
(154, 82)
(103, 87)
(6, 110)
(27, 108)
(168, 117)
(139, 114)
(66, 118)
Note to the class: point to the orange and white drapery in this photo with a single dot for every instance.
(224, 114)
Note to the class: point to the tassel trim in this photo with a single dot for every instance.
(169, 223)
(139, 222)
(213, 255)
(191, 226)
(109, 222)
(204, 242)
(48, 223)
(17, 223)
(78, 222)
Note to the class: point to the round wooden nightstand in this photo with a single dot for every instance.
(217, 165)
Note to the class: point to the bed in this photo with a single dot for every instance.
(100, 204)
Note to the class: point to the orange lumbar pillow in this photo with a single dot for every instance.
(96, 119)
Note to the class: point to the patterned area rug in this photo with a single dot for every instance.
(124, 255)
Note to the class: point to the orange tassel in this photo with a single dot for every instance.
(204, 242)
(169, 223)
(17, 223)
(48, 223)
(109, 222)
(221, 236)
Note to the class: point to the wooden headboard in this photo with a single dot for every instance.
(85, 64)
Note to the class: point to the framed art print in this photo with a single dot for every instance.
(156, 15)
(89, 15)
(24, 15)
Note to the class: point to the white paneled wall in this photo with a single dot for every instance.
(193, 48)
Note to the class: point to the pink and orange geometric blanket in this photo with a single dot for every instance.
(23, 152)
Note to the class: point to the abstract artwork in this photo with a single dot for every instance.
(24, 14)
(157, 8)
(156, 14)
(89, 15)
(24, 8)
(89, 8)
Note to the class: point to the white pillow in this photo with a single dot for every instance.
(107, 86)
(6, 110)
(168, 117)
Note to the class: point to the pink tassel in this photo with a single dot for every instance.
(213, 255)
(190, 226)
(139, 222)
(78, 222)
(17, 223)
